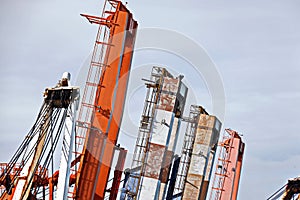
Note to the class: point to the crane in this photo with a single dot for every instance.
(292, 189)
(289, 191)
(90, 140)
(103, 100)
(229, 166)
(26, 176)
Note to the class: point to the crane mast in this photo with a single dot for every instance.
(103, 100)
(90, 140)
(228, 168)
(86, 157)
(66, 155)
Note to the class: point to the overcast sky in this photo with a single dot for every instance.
(255, 46)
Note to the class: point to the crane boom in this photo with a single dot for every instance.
(36, 153)
(25, 180)
(292, 188)
(103, 101)
(66, 155)
(229, 166)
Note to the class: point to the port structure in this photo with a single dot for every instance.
(90, 142)
(228, 167)
(157, 137)
(187, 148)
(27, 174)
(103, 99)
(197, 155)
(156, 173)
(289, 191)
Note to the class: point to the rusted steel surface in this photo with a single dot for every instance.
(203, 153)
(164, 136)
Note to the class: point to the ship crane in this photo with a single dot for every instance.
(26, 176)
(289, 191)
(229, 166)
(90, 140)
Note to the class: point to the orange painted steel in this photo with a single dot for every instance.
(101, 139)
(234, 148)
(37, 180)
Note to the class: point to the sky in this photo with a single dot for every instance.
(254, 46)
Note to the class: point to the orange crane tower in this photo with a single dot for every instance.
(229, 166)
(103, 100)
(97, 127)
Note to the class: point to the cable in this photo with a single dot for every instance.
(277, 194)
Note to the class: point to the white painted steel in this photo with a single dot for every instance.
(25, 171)
(67, 148)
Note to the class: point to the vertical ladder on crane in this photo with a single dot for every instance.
(93, 82)
(221, 167)
(187, 148)
(142, 142)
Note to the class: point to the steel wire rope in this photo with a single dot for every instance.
(21, 148)
(54, 143)
(56, 117)
(49, 157)
(277, 194)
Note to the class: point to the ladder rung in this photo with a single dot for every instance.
(98, 20)
(218, 174)
(223, 160)
(79, 136)
(88, 105)
(104, 43)
(83, 123)
(98, 64)
(218, 189)
(109, 12)
(92, 84)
